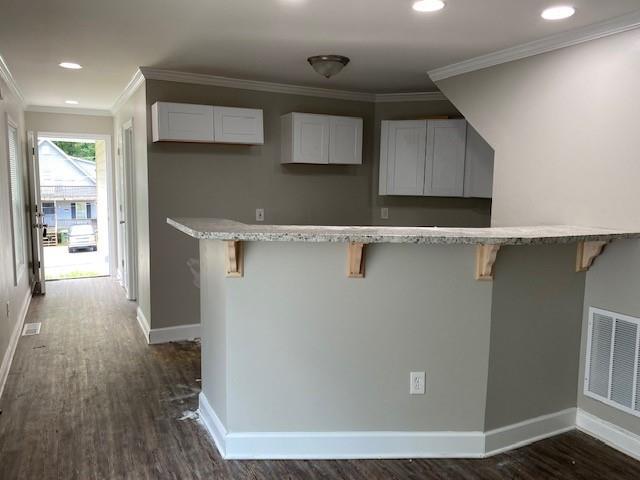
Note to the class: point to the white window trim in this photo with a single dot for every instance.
(18, 270)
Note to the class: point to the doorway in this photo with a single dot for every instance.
(75, 196)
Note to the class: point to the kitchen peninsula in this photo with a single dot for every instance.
(310, 333)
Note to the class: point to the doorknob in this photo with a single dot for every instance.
(121, 222)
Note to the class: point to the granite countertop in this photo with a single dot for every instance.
(224, 229)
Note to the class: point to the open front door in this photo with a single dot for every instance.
(38, 228)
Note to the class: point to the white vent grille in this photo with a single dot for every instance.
(612, 374)
(31, 329)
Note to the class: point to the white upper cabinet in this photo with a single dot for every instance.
(185, 122)
(182, 122)
(444, 169)
(321, 139)
(238, 125)
(345, 140)
(402, 157)
(437, 158)
(478, 176)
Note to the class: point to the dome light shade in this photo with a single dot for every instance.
(328, 65)
(559, 12)
(428, 5)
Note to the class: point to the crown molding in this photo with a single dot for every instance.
(136, 80)
(203, 79)
(544, 45)
(5, 73)
(409, 97)
(68, 110)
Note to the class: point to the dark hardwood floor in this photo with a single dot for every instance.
(88, 399)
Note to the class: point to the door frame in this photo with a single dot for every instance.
(110, 185)
(128, 184)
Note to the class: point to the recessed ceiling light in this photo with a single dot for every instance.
(428, 5)
(71, 102)
(71, 65)
(559, 12)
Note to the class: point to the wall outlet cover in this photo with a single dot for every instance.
(416, 385)
(384, 213)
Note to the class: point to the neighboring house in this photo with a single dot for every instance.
(67, 188)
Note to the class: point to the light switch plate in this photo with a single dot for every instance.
(384, 213)
(259, 214)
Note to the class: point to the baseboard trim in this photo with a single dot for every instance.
(214, 426)
(143, 322)
(529, 431)
(363, 445)
(613, 435)
(174, 334)
(13, 341)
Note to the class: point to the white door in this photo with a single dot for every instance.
(121, 217)
(345, 140)
(403, 147)
(130, 246)
(446, 144)
(38, 228)
(310, 138)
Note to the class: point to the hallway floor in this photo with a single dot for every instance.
(88, 399)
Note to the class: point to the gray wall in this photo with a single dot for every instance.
(15, 295)
(230, 181)
(136, 109)
(309, 349)
(535, 333)
(422, 211)
(564, 128)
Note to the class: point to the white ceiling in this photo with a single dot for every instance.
(391, 46)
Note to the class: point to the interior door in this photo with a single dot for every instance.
(38, 228)
(121, 216)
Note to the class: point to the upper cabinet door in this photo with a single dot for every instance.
(345, 140)
(310, 138)
(238, 125)
(182, 122)
(478, 176)
(444, 171)
(402, 158)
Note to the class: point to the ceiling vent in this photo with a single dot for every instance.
(611, 371)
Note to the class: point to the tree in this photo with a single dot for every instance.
(85, 150)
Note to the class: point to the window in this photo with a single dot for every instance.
(48, 208)
(79, 210)
(17, 199)
(89, 211)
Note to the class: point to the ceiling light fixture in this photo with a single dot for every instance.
(328, 65)
(428, 5)
(559, 12)
(71, 65)
(71, 102)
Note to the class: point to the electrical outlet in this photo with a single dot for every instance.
(384, 213)
(259, 214)
(416, 385)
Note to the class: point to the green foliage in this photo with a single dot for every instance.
(78, 149)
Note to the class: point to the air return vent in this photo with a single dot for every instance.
(611, 372)
(31, 329)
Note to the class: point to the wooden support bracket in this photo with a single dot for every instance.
(355, 261)
(485, 259)
(587, 253)
(234, 257)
